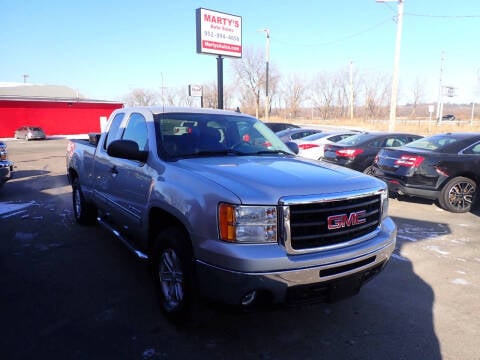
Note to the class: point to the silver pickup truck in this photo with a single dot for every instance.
(221, 207)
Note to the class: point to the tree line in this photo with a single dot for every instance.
(325, 95)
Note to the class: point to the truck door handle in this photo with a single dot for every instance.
(114, 171)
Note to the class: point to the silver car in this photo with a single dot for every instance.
(30, 133)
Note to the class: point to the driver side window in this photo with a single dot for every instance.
(136, 130)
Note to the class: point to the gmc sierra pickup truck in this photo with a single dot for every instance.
(222, 208)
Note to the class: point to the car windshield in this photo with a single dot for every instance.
(188, 135)
(436, 142)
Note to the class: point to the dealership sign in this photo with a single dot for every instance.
(218, 33)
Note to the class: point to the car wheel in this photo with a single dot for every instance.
(458, 195)
(368, 171)
(173, 273)
(84, 212)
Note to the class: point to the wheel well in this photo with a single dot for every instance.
(72, 174)
(467, 174)
(160, 219)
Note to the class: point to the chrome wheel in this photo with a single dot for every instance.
(171, 279)
(458, 195)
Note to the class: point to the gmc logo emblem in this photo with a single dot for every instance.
(344, 220)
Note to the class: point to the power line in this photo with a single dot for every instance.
(443, 16)
(336, 41)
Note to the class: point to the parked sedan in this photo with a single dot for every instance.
(295, 133)
(312, 146)
(358, 152)
(443, 167)
(30, 133)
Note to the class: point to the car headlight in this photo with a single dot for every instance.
(247, 224)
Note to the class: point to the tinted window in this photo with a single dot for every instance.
(436, 142)
(357, 139)
(136, 130)
(474, 150)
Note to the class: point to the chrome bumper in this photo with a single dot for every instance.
(314, 283)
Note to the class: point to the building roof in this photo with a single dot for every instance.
(28, 91)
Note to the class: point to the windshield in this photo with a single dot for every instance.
(356, 139)
(188, 134)
(436, 142)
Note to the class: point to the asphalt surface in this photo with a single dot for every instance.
(73, 292)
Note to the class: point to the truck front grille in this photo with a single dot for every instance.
(309, 223)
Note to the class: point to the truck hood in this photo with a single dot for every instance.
(265, 179)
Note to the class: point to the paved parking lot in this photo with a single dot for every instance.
(72, 292)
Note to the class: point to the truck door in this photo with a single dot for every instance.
(127, 182)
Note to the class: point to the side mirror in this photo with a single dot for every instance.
(293, 146)
(126, 149)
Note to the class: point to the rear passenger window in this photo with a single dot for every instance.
(474, 150)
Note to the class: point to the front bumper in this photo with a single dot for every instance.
(329, 279)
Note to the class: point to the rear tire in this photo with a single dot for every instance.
(84, 212)
(172, 261)
(458, 195)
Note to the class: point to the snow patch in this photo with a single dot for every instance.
(7, 208)
(459, 282)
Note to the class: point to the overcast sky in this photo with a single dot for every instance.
(106, 48)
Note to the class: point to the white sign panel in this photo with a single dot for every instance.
(218, 33)
(195, 90)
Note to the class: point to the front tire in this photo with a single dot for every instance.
(84, 212)
(172, 262)
(458, 195)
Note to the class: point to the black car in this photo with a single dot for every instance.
(358, 152)
(276, 126)
(448, 117)
(443, 167)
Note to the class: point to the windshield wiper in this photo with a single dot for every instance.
(272, 152)
(219, 152)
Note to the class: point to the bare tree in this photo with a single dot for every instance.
(293, 94)
(376, 95)
(141, 97)
(417, 94)
(250, 72)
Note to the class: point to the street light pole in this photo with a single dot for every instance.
(267, 61)
(396, 65)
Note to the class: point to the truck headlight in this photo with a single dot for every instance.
(384, 199)
(247, 224)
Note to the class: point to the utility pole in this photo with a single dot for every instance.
(396, 65)
(440, 90)
(267, 61)
(351, 90)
